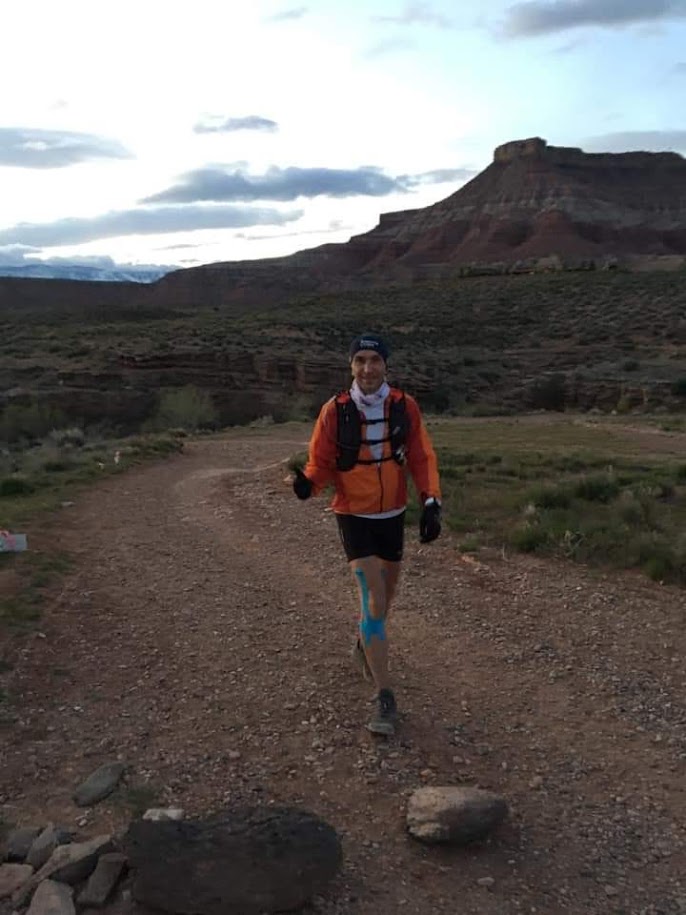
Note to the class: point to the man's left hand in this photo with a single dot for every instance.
(430, 522)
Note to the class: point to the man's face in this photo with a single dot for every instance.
(369, 370)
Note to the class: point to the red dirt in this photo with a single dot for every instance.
(203, 636)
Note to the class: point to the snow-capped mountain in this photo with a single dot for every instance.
(116, 274)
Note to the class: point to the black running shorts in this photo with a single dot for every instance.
(362, 537)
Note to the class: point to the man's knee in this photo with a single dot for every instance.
(373, 616)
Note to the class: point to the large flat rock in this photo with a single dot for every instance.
(239, 862)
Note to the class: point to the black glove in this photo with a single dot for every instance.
(302, 486)
(430, 522)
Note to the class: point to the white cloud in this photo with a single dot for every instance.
(143, 221)
(417, 13)
(288, 15)
(232, 125)
(26, 147)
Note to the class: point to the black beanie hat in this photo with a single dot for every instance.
(370, 341)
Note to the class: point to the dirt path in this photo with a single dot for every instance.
(204, 637)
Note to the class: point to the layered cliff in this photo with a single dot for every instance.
(533, 201)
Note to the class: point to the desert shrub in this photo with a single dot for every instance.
(679, 387)
(297, 461)
(528, 538)
(15, 486)
(58, 465)
(660, 558)
(185, 408)
(262, 422)
(632, 510)
(550, 497)
(599, 488)
(72, 436)
(28, 421)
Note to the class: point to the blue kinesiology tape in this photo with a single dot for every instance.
(370, 627)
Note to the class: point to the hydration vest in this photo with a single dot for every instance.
(349, 431)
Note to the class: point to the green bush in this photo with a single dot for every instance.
(550, 497)
(185, 408)
(297, 461)
(600, 488)
(57, 466)
(631, 510)
(73, 436)
(30, 421)
(679, 387)
(15, 486)
(529, 538)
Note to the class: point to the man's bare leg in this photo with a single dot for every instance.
(372, 587)
(371, 578)
(391, 576)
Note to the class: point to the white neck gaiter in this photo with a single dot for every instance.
(369, 400)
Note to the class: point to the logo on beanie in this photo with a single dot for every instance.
(372, 342)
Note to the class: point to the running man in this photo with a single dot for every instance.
(364, 442)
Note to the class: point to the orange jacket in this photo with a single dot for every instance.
(368, 489)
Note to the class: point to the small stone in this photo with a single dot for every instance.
(611, 890)
(99, 784)
(486, 881)
(103, 879)
(157, 814)
(13, 876)
(52, 898)
(536, 781)
(19, 842)
(457, 815)
(43, 846)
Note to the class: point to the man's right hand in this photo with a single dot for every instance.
(302, 486)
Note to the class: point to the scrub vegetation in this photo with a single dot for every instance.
(596, 492)
(612, 341)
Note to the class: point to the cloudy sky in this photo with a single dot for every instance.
(188, 133)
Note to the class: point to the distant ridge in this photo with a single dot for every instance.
(82, 272)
